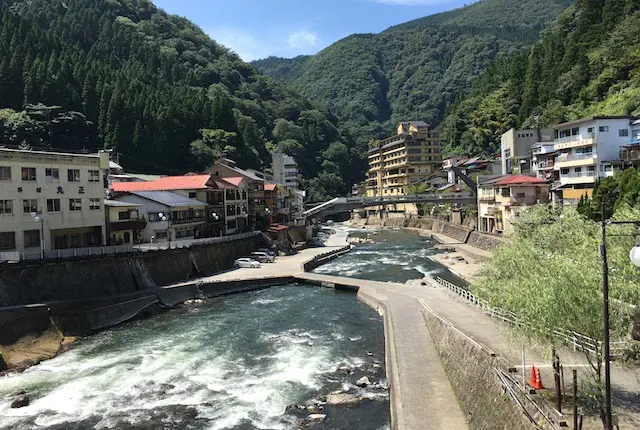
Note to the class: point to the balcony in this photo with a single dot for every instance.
(576, 141)
(524, 201)
(545, 165)
(487, 197)
(630, 154)
(192, 220)
(578, 178)
(575, 160)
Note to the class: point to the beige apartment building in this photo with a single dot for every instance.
(403, 160)
(501, 200)
(51, 199)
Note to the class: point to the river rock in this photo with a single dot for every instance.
(20, 402)
(342, 399)
(345, 370)
(363, 382)
(317, 417)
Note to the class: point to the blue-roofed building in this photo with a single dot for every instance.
(169, 215)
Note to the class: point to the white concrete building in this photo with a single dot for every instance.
(542, 160)
(285, 170)
(168, 215)
(515, 148)
(51, 199)
(588, 149)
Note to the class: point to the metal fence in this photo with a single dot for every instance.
(15, 257)
(578, 341)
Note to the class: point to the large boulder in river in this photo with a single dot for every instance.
(363, 382)
(20, 402)
(342, 399)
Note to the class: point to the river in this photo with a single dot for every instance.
(395, 255)
(230, 363)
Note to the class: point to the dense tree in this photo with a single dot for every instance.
(124, 75)
(415, 70)
(584, 64)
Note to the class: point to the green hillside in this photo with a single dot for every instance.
(125, 75)
(585, 63)
(414, 70)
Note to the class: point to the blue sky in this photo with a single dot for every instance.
(286, 28)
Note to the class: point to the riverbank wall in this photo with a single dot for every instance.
(459, 233)
(470, 368)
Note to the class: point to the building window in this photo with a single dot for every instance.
(590, 130)
(192, 195)
(232, 224)
(73, 175)
(29, 174)
(29, 206)
(94, 204)
(575, 131)
(603, 128)
(53, 205)
(94, 175)
(51, 175)
(504, 192)
(75, 205)
(160, 234)
(520, 195)
(123, 216)
(623, 132)
(5, 173)
(31, 238)
(564, 171)
(6, 207)
(578, 170)
(7, 241)
(231, 210)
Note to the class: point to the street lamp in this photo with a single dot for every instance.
(37, 217)
(164, 217)
(215, 217)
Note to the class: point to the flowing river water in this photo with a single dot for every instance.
(231, 363)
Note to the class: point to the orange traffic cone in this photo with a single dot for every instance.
(532, 380)
(538, 385)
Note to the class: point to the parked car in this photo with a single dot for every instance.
(268, 251)
(246, 262)
(263, 257)
(315, 242)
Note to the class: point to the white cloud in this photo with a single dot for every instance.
(302, 39)
(243, 42)
(252, 46)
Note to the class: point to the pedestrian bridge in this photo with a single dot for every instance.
(347, 204)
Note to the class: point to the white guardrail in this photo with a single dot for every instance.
(15, 257)
(578, 341)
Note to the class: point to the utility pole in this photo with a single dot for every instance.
(605, 308)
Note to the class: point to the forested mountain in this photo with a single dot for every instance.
(585, 63)
(124, 75)
(414, 70)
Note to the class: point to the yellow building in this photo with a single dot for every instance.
(403, 160)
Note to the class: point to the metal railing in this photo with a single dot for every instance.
(577, 341)
(15, 257)
(576, 138)
(575, 157)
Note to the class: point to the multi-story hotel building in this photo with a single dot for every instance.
(587, 149)
(51, 200)
(403, 160)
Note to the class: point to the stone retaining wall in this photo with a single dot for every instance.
(460, 233)
(62, 281)
(470, 369)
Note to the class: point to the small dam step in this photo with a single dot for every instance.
(421, 395)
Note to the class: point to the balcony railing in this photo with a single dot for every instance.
(575, 138)
(575, 157)
(630, 155)
(187, 220)
(546, 164)
(588, 174)
(487, 197)
(528, 200)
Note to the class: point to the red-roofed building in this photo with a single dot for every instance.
(501, 199)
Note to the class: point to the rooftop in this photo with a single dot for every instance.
(167, 198)
(186, 182)
(119, 204)
(592, 118)
(512, 180)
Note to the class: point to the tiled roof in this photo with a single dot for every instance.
(269, 187)
(233, 180)
(117, 204)
(167, 198)
(274, 228)
(518, 179)
(187, 182)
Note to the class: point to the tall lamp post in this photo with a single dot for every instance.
(166, 218)
(634, 256)
(37, 217)
(215, 217)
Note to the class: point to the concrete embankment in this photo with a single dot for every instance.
(470, 368)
